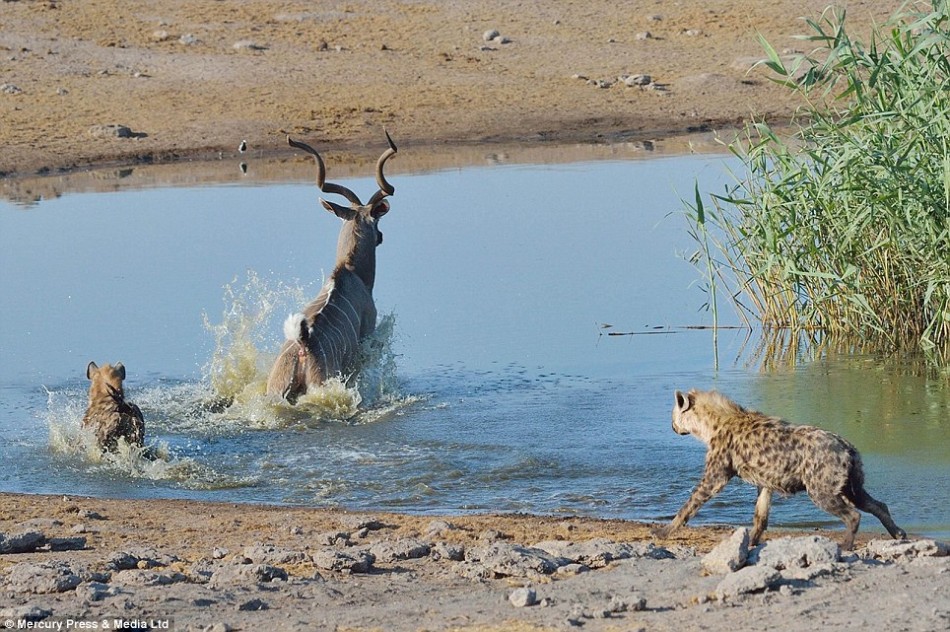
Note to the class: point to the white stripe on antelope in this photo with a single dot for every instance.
(323, 340)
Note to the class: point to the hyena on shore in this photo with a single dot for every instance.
(109, 416)
(775, 456)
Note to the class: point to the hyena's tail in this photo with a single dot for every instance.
(855, 492)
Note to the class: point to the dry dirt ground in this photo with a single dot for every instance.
(191, 79)
(212, 566)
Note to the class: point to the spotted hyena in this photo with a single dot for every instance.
(775, 456)
(109, 416)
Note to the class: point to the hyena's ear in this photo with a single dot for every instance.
(683, 402)
(91, 370)
(118, 366)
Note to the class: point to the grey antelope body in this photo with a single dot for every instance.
(323, 340)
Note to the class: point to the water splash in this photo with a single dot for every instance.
(68, 440)
(238, 369)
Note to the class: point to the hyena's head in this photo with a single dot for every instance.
(296, 365)
(106, 381)
(702, 413)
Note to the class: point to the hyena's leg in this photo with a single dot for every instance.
(838, 505)
(865, 502)
(761, 518)
(711, 484)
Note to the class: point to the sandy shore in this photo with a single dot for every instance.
(191, 80)
(208, 566)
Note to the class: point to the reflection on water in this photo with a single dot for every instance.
(491, 383)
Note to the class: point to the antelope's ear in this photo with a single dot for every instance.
(121, 369)
(342, 212)
(381, 208)
(683, 402)
(91, 370)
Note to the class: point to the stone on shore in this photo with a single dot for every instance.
(747, 580)
(523, 597)
(403, 549)
(356, 562)
(45, 577)
(230, 574)
(22, 542)
(790, 553)
(502, 559)
(894, 550)
(273, 555)
(729, 555)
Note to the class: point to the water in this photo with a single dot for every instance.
(491, 384)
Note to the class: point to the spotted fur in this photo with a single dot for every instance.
(109, 415)
(774, 456)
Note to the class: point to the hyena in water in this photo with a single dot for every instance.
(774, 456)
(109, 416)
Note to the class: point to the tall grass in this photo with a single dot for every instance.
(843, 226)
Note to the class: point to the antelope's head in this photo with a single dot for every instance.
(356, 247)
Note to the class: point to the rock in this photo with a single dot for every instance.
(329, 560)
(95, 591)
(139, 577)
(789, 552)
(202, 570)
(491, 535)
(637, 80)
(270, 554)
(729, 555)
(111, 131)
(447, 551)
(523, 597)
(895, 550)
(219, 553)
(501, 559)
(600, 552)
(355, 523)
(139, 557)
(501, 39)
(635, 602)
(25, 613)
(490, 35)
(572, 569)
(246, 573)
(747, 580)
(45, 577)
(404, 549)
(23, 542)
(9, 88)
(160, 35)
(643, 36)
(330, 538)
(254, 605)
(439, 527)
(188, 40)
(76, 543)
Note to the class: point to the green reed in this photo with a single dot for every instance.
(843, 227)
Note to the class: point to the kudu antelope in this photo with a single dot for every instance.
(324, 340)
